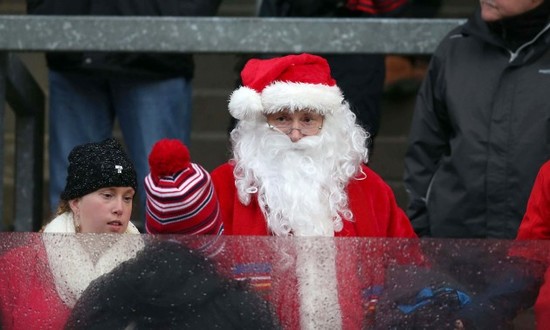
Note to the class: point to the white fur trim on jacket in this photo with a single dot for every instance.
(72, 266)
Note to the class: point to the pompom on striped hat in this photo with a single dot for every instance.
(180, 196)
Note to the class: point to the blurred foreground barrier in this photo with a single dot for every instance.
(263, 282)
(169, 34)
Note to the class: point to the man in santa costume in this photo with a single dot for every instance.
(298, 169)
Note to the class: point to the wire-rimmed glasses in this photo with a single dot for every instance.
(307, 125)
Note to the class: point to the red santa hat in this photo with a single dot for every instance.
(292, 82)
(180, 196)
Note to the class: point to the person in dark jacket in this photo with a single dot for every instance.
(169, 286)
(480, 129)
(149, 93)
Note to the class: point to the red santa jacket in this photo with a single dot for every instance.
(360, 274)
(536, 225)
(28, 298)
(375, 211)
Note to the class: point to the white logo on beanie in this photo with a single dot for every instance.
(119, 168)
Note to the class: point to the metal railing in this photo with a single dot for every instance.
(235, 35)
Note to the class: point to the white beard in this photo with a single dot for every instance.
(293, 189)
(300, 186)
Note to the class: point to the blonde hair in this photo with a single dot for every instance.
(62, 207)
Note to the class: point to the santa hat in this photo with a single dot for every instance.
(292, 82)
(180, 196)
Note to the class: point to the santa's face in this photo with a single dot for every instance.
(299, 183)
(297, 124)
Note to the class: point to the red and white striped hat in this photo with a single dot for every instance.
(180, 195)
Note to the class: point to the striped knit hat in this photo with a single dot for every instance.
(180, 195)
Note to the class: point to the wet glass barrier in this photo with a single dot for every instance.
(101, 281)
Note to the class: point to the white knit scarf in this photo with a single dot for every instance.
(72, 266)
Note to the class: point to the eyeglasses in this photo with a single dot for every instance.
(305, 127)
(304, 130)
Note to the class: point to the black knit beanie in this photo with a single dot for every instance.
(93, 166)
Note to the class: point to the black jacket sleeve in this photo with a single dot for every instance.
(428, 143)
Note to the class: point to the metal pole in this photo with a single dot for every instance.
(3, 70)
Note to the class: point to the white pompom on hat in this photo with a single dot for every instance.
(292, 82)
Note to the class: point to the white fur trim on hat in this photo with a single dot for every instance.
(245, 103)
(323, 99)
